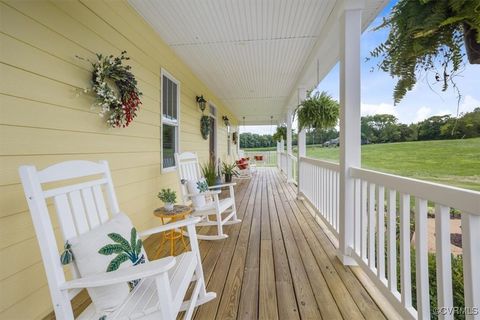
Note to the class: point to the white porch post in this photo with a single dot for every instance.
(350, 32)
(302, 144)
(279, 149)
(289, 145)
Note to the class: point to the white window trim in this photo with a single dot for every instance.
(164, 120)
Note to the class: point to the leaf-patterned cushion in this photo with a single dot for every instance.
(111, 246)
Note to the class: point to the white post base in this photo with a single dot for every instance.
(346, 260)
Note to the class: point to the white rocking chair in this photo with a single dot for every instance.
(81, 207)
(189, 169)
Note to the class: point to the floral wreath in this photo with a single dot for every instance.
(118, 105)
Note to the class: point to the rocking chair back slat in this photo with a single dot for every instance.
(100, 202)
(90, 207)
(78, 212)
(65, 218)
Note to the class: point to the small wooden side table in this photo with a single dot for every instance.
(179, 212)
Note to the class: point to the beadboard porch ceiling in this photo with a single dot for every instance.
(253, 54)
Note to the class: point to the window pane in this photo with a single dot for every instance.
(169, 146)
(174, 96)
(170, 101)
(164, 95)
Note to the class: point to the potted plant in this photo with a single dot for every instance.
(228, 170)
(317, 111)
(427, 36)
(209, 173)
(169, 197)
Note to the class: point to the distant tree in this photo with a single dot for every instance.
(466, 126)
(430, 129)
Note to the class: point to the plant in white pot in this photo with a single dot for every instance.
(169, 197)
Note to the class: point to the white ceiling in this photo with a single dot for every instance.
(253, 54)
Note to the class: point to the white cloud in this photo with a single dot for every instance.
(468, 104)
(426, 112)
(382, 108)
(422, 114)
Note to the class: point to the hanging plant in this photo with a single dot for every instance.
(116, 90)
(205, 126)
(234, 137)
(317, 111)
(280, 134)
(426, 36)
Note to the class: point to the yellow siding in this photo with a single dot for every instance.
(46, 118)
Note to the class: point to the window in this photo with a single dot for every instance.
(170, 121)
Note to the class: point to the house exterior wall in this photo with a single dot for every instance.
(46, 118)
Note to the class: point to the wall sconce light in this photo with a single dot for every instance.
(202, 103)
(226, 121)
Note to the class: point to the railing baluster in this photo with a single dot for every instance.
(363, 221)
(444, 264)
(392, 240)
(337, 214)
(471, 263)
(357, 211)
(405, 268)
(371, 226)
(381, 233)
(421, 259)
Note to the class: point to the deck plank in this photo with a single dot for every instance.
(268, 308)
(303, 290)
(287, 301)
(230, 256)
(362, 299)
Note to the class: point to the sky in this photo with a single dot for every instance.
(422, 102)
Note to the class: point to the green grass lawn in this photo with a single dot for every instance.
(453, 162)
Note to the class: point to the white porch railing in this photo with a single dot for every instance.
(283, 164)
(319, 184)
(282, 161)
(383, 201)
(269, 157)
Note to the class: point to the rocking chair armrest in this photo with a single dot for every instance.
(223, 185)
(206, 193)
(124, 275)
(170, 226)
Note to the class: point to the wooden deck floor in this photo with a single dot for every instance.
(277, 263)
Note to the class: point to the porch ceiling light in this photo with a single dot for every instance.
(202, 103)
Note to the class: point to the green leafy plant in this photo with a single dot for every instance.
(318, 110)
(205, 126)
(426, 36)
(209, 172)
(125, 250)
(228, 168)
(280, 134)
(167, 196)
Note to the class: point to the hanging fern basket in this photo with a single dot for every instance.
(205, 126)
(472, 46)
(318, 111)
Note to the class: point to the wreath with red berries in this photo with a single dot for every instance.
(116, 90)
